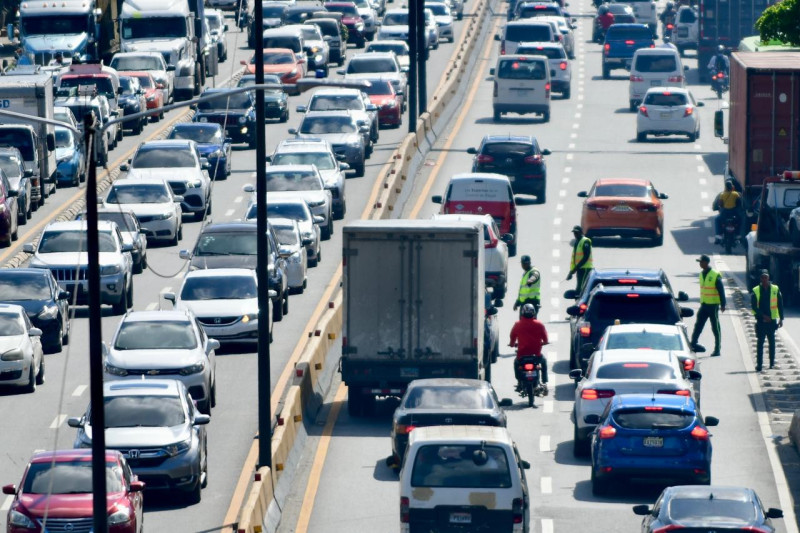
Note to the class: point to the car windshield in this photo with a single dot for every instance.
(292, 181)
(68, 477)
(155, 335)
(23, 143)
(345, 10)
(438, 9)
(550, 52)
(154, 28)
(143, 411)
(10, 324)
(368, 65)
(273, 12)
(138, 194)
(288, 210)
(656, 63)
(164, 157)
(396, 19)
(232, 101)
(323, 160)
(718, 507)
(310, 33)
(125, 221)
(635, 370)
(219, 288)
(639, 310)
(397, 48)
(73, 241)
(275, 58)
(145, 82)
(506, 149)
(478, 191)
(127, 85)
(102, 84)
(461, 466)
(286, 235)
(214, 22)
(379, 87)
(211, 134)
(137, 63)
(628, 190)
(522, 69)
(625, 33)
(668, 99)
(653, 418)
(245, 81)
(20, 288)
(332, 102)
(327, 124)
(644, 340)
(11, 165)
(64, 138)
(219, 243)
(529, 32)
(328, 29)
(448, 398)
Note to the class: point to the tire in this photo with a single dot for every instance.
(641, 137)
(175, 239)
(541, 198)
(529, 392)
(659, 240)
(728, 244)
(580, 447)
(30, 388)
(599, 486)
(606, 72)
(692, 137)
(632, 106)
(546, 116)
(285, 117)
(286, 303)
(572, 363)
(40, 375)
(359, 168)
(567, 93)
(277, 311)
(196, 494)
(129, 296)
(487, 376)
(512, 250)
(497, 116)
(327, 231)
(354, 403)
(120, 307)
(252, 142)
(138, 267)
(65, 337)
(180, 233)
(57, 346)
(213, 395)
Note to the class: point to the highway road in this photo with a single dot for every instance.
(38, 421)
(344, 484)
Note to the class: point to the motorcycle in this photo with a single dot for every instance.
(719, 82)
(669, 27)
(730, 233)
(530, 382)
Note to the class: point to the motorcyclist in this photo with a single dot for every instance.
(605, 18)
(529, 335)
(668, 16)
(720, 62)
(729, 204)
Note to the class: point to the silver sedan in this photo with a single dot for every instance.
(21, 359)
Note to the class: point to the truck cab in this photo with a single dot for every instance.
(105, 80)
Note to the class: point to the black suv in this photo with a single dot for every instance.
(516, 156)
(235, 113)
(621, 277)
(629, 304)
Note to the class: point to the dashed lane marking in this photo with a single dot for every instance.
(559, 207)
(229, 213)
(555, 269)
(554, 285)
(79, 390)
(556, 252)
(6, 505)
(554, 302)
(544, 443)
(547, 525)
(548, 404)
(577, 115)
(571, 146)
(547, 483)
(573, 135)
(58, 421)
(701, 168)
(567, 170)
(570, 157)
(238, 199)
(562, 193)
(703, 195)
(706, 209)
(711, 239)
(699, 157)
(557, 221)
(554, 317)
(702, 181)
(576, 126)
(152, 306)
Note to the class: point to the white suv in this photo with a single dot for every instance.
(560, 68)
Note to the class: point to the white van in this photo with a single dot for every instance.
(654, 67)
(521, 85)
(687, 29)
(463, 477)
(644, 11)
(527, 30)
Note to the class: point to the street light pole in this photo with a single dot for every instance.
(422, 51)
(413, 47)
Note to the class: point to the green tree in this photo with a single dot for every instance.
(781, 22)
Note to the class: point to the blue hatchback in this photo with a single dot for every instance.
(211, 143)
(658, 436)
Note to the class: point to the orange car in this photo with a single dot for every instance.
(624, 208)
(153, 91)
(280, 61)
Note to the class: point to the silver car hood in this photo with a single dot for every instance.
(142, 437)
(155, 359)
(72, 259)
(219, 308)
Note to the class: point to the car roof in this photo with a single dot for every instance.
(286, 200)
(195, 125)
(221, 272)
(626, 181)
(485, 176)
(139, 181)
(373, 55)
(304, 144)
(157, 316)
(539, 44)
(229, 227)
(623, 401)
(337, 91)
(394, 42)
(486, 218)
(102, 225)
(167, 143)
(626, 289)
(282, 222)
(460, 434)
(716, 492)
(144, 387)
(634, 354)
(77, 454)
(508, 137)
(624, 25)
(450, 382)
(332, 113)
(296, 168)
(528, 22)
(670, 89)
(24, 271)
(656, 51)
(639, 328)
(12, 308)
(639, 273)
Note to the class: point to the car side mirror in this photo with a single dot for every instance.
(363, 129)
(546, 151)
(694, 374)
(306, 242)
(576, 375)
(683, 297)
(243, 62)
(225, 27)
(525, 465)
(248, 187)
(498, 303)
(124, 168)
(686, 312)
(571, 294)
(711, 421)
(506, 402)
(186, 255)
(28, 172)
(169, 296)
(686, 68)
(201, 420)
(35, 332)
(75, 422)
(28, 248)
(700, 104)
(496, 38)
(301, 109)
(177, 199)
(170, 68)
(12, 193)
(772, 512)
(662, 196)
(62, 295)
(436, 199)
(137, 486)
(341, 71)
(318, 219)
(292, 131)
(573, 310)
(213, 344)
(583, 194)
(344, 166)
(507, 238)
(491, 71)
(472, 150)
(592, 419)
(10, 489)
(127, 247)
(642, 510)
(719, 128)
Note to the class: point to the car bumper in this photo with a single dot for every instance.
(617, 62)
(389, 116)
(666, 126)
(239, 133)
(153, 104)
(674, 468)
(528, 183)
(66, 171)
(236, 332)
(160, 229)
(194, 200)
(561, 85)
(181, 472)
(219, 166)
(621, 232)
(296, 274)
(353, 155)
(274, 110)
(445, 32)
(15, 372)
(521, 108)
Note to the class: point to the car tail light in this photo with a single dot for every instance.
(635, 365)
(559, 38)
(688, 364)
(563, 65)
(643, 110)
(652, 45)
(720, 75)
(606, 48)
(607, 432)
(582, 308)
(492, 243)
(528, 367)
(665, 529)
(626, 281)
(689, 110)
(649, 208)
(404, 429)
(636, 78)
(503, 47)
(653, 408)
(595, 207)
(404, 510)
(676, 392)
(547, 90)
(699, 433)
(629, 42)
(596, 394)
(632, 295)
(670, 26)
(533, 159)
(586, 330)
(517, 510)
(494, 93)
(482, 158)
(675, 79)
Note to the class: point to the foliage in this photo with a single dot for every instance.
(781, 22)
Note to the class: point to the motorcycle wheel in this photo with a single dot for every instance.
(529, 391)
(728, 244)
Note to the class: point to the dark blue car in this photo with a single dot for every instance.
(622, 40)
(655, 436)
(211, 142)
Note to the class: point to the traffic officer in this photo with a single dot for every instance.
(769, 317)
(581, 261)
(712, 300)
(529, 286)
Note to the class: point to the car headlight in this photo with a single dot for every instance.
(216, 154)
(115, 370)
(15, 518)
(123, 516)
(315, 203)
(12, 355)
(248, 317)
(314, 49)
(163, 216)
(293, 72)
(194, 184)
(192, 369)
(295, 259)
(179, 447)
(242, 119)
(390, 104)
(110, 270)
(202, 119)
(49, 312)
(356, 143)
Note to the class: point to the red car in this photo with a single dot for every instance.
(153, 91)
(390, 104)
(350, 18)
(281, 62)
(58, 485)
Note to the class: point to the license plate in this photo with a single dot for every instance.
(666, 115)
(654, 442)
(524, 89)
(531, 375)
(622, 208)
(655, 83)
(460, 518)
(409, 372)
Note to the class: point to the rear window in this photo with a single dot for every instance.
(548, 52)
(507, 148)
(644, 340)
(636, 309)
(461, 466)
(665, 99)
(686, 16)
(292, 43)
(656, 63)
(529, 32)
(633, 370)
(652, 419)
(478, 190)
(522, 69)
(448, 398)
(538, 11)
(691, 509)
(622, 33)
(621, 189)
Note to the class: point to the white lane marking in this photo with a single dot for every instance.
(229, 213)
(554, 317)
(38, 450)
(580, 82)
(152, 306)
(559, 207)
(58, 421)
(547, 484)
(707, 223)
(548, 406)
(701, 168)
(576, 126)
(562, 193)
(79, 390)
(577, 115)
(703, 195)
(571, 146)
(567, 170)
(238, 200)
(554, 302)
(556, 237)
(556, 252)
(555, 269)
(702, 181)
(573, 135)
(544, 443)
(554, 285)
(697, 147)
(580, 97)
(706, 209)
(557, 221)
(547, 525)
(580, 106)
(6, 505)
(569, 157)
(553, 337)
(565, 180)
(699, 157)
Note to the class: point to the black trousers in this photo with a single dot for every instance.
(581, 274)
(765, 330)
(542, 361)
(708, 312)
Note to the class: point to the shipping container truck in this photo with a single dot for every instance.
(725, 22)
(413, 306)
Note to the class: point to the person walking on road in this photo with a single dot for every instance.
(769, 317)
(712, 300)
(581, 261)
(529, 286)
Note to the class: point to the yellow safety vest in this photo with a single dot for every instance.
(773, 300)
(708, 288)
(577, 254)
(529, 292)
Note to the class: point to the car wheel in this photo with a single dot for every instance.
(277, 311)
(599, 486)
(175, 239)
(58, 345)
(496, 352)
(180, 233)
(40, 375)
(354, 403)
(129, 296)
(641, 137)
(285, 116)
(497, 115)
(327, 231)
(121, 306)
(606, 72)
(30, 388)
(138, 267)
(659, 239)
(567, 93)
(572, 363)
(580, 447)
(213, 394)
(196, 493)
(487, 374)
(359, 168)
(65, 337)
(15, 233)
(692, 137)
(632, 106)
(286, 303)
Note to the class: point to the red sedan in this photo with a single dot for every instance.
(153, 91)
(58, 485)
(281, 62)
(624, 208)
(390, 104)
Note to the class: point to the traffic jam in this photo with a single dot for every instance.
(425, 350)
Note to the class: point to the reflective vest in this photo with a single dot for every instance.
(773, 300)
(577, 254)
(529, 292)
(708, 288)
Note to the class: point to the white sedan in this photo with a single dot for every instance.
(151, 200)
(293, 249)
(21, 359)
(668, 111)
